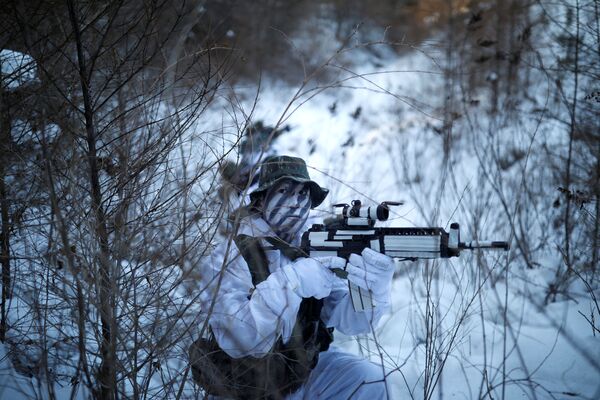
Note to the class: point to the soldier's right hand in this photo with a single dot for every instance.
(309, 277)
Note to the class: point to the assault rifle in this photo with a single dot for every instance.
(353, 229)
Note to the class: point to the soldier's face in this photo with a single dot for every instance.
(287, 206)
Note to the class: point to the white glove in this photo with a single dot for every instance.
(372, 271)
(311, 277)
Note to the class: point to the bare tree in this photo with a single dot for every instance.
(119, 91)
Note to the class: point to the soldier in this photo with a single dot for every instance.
(273, 309)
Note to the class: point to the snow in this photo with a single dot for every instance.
(490, 325)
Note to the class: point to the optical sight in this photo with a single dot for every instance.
(356, 215)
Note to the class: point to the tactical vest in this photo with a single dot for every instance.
(286, 367)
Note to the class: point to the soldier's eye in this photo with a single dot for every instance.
(282, 189)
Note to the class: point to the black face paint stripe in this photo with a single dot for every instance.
(299, 212)
(282, 220)
(289, 229)
(278, 199)
(296, 226)
(305, 203)
(294, 211)
(283, 197)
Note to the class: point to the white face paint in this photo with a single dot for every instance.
(286, 207)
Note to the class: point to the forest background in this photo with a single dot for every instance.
(130, 131)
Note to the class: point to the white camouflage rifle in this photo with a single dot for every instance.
(353, 230)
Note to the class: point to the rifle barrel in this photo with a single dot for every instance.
(485, 244)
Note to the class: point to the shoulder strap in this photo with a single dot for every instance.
(254, 254)
(255, 257)
(291, 252)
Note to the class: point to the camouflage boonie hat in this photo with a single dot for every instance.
(276, 168)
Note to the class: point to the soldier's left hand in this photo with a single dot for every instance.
(372, 271)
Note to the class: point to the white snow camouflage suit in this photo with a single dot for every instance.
(248, 322)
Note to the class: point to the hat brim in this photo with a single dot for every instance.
(317, 193)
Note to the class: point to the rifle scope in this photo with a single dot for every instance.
(354, 214)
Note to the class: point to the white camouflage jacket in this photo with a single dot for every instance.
(247, 320)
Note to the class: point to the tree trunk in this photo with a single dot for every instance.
(4, 211)
(107, 370)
